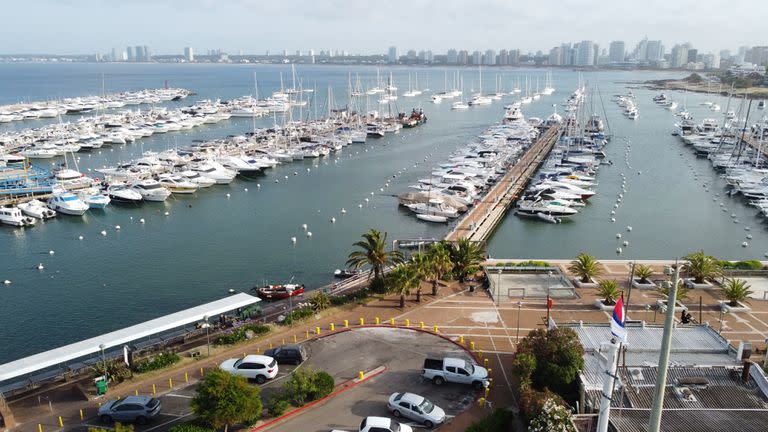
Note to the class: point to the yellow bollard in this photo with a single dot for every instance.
(485, 362)
(461, 340)
(39, 427)
(243, 354)
(186, 377)
(360, 375)
(201, 371)
(136, 392)
(270, 345)
(421, 324)
(490, 371)
(61, 422)
(154, 389)
(407, 322)
(487, 390)
(283, 341)
(479, 353)
(481, 401)
(362, 321)
(471, 346)
(333, 326)
(377, 321)
(392, 321)
(490, 382)
(346, 323)
(317, 330)
(307, 334)
(170, 383)
(295, 339)
(435, 328)
(82, 416)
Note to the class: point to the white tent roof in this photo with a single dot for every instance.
(83, 348)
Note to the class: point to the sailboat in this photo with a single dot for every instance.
(548, 87)
(410, 92)
(478, 98)
(459, 104)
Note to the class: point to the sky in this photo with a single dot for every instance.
(360, 26)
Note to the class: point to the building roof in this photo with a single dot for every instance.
(123, 336)
(687, 420)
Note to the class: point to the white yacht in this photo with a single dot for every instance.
(215, 171)
(122, 193)
(94, 198)
(434, 206)
(177, 184)
(36, 209)
(71, 179)
(197, 178)
(551, 208)
(459, 105)
(238, 165)
(13, 216)
(67, 203)
(151, 190)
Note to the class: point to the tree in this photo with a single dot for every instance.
(424, 270)
(735, 291)
(552, 417)
(585, 267)
(373, 252)
(402, 280)
(440, 256)
(702, 267)
(694, 78)
(559, 357)
(524, 365)
(609, 290)
(224, 399)
(466, 255)
(643, 272)
(320, 300)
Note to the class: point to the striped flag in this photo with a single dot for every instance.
(618, 319)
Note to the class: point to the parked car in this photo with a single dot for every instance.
(254, 367)
(417, 408)
(139, 409)
(288, 354)
(380, 424)
(455, 370)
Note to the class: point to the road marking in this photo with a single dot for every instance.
(177, 415)
(180, 395)
(167, 423)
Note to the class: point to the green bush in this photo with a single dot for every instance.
(116, 371)
(238, 335)
(742, 265)
(160, 361)
(352, 297)
(500, 420)
(533, 263)
(191, 426)
(324, 384)
(119, 427)
(298, 314)
(276, 405)
(306, 385)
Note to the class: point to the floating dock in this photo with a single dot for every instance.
(481, 220)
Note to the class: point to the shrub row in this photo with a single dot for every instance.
(239, 334)
(304, 385)
(742, 265)
(298, 314)
(352, 297)
(500, 420)
(529, 263)
(160, 361)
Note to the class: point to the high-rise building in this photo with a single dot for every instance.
(641, 50)
(514, 56)
(147, 54)
(430, 57)
(129, 55)
(692, 55)
(452, 57)
(585, 53)
(758, 55)
(489, 58)
(503, 57)
(679, 56)
(654, 51)
(567, 55)
(725, 54)
(477, 58)
(392, 55)
(189, 55)
(616, 52)
(555, 57)
(411, 56)
(463, 57)
(139, 53)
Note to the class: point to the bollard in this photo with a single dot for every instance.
(295, 339)
(317, 330)
(258, 349)
(490, 382)
(471, 346)
(360, 375)
(307, 334)
(333, 327)
(270, 345)
(201, 372)
(490, 371)
(487, 390)
(479, 353)
(82, 416)
(435, 328)
(170, 383)
(485, 362)
(154, 389)
(283, 343)
(407, 322)
(346, 323)
(481, 401)
(461, 340)
(377, 321)
(421, 324)
(362, 321)
(61, 422)
(392, 321)
(39, 427)
(136, 392)
(186, 377)
(243, 354)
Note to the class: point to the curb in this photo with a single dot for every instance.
(350, 384)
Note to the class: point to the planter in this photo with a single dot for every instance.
(636, 284)
(731, 309)
(602, 306)
(591, 284)
(690, 284)
(662, 305)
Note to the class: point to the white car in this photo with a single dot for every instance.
(254, 367)
(417, 408)
(381, 424)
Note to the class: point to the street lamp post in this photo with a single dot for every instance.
(549, 275)
(498, 289)
(722, 311)
(290, 289)
(519, 306)
(103, 357)
(207, 334)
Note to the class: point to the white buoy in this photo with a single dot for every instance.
(308, 170)
(744, 244)
(228, 195)
(131, 217)
(293, 239)
(286, 177)
(142, 220)
(615, 206)
(618, 236)
(722, 204)
(629, 228)
(749, 236)
(366, 200)
(618, 250)
(80, 237)
(372, 193)
(304, 226)
(613, 219)
(277, 181)
(747, 228)
(51, 252)
(117, 227)
(103, 233)
(258, 185)
(343, 210)
(7, 282)
(309, 233)
(333, 220)
(733, 215)
(613, 212)
(618, 200)
(40, 266)
(245, 189)
(381, 189)
(736, 221)
(167, 213)
(625, 243)
(360, 206)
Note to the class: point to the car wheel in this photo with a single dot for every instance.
(428, 424)
(106, 419)
(141, 420)
(438, 380)
(396, 413)
(260, 379)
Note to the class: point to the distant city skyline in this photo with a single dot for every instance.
(255, 27)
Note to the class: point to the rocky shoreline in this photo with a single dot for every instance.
(682, 85)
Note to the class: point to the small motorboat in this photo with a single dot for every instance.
(547, 218)
(279, 292)
(13, 216)
(36, 209)
(122, 193)
(432, 218)
(345, 274)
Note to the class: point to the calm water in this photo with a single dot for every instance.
(210, 242)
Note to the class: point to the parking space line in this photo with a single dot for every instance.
(168, 422)
(180, 395)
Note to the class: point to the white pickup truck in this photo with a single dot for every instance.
(456, 371)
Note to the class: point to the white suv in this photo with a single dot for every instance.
(254, 367)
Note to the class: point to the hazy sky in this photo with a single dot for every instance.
(88, 26)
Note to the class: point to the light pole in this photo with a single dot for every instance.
(498, 288)
(647, 308)
(722, 311)
(290, 289)
(103, 358)
(207, 334)
(519, 306)
(549, 275)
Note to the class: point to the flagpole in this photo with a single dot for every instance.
(619, 333)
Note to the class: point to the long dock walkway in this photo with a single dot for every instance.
(478, 224)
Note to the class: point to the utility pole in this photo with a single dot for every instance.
(611, 363)
(661, 379)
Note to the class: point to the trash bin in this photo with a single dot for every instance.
(101, 385)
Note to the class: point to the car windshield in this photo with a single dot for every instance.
(470, 368)
(274, 362)
(426, 406)
(237, 363)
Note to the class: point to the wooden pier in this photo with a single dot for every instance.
(482, 219)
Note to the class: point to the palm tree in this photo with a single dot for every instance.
(440, 255)
(320, 301)
(702, 267)
(609, 290)
(735, 291)
(373, 252)
(585, 267)
(643, 272)
(680, 294)
(402, 280)
(422, 263)
(465, 255)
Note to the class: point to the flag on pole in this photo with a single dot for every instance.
(618, 319)
(551, 325)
